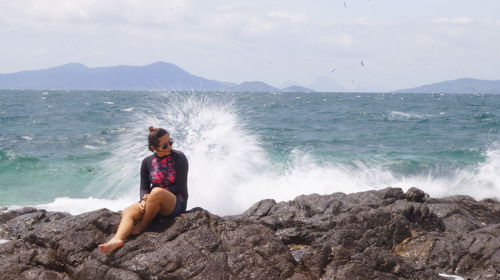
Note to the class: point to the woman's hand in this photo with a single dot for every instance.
(143, 203)
(142, 206)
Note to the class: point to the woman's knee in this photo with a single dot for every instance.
(132, 211)
(158, 194)
(161, 196)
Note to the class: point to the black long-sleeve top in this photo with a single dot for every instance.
(169, 172)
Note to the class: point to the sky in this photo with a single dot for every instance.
(362, 45)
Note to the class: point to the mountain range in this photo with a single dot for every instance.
(155, 76)
(168, 76)
(464, 85)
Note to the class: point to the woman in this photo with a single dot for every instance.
(163, 189)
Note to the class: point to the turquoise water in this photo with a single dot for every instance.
(81, 150)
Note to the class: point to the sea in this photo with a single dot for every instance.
(79, 151)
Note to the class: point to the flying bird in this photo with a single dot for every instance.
(362, 63)
(345, 5)
(333, 70)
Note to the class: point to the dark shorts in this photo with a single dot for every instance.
(178, 207)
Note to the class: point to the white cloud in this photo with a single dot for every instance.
(57, 10)
(258, 25)
(148, 12)
(361, 21)
(344, 40)
(292, 17)
(231, 6)
(222, 19)
(461, 20)
(236, 24)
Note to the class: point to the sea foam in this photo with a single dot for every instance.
(76, 206)
(230, 169)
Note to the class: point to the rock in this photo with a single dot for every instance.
(383, 234)
(5, 216)
(416, 195)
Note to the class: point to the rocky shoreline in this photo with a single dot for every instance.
(383, 234)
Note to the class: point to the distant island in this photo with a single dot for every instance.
(155, 76)
(464, 85)
(168, 76)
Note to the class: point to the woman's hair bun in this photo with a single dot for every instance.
(154, 135)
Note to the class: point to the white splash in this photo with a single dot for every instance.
(395, 115)
(28, 138)
(481, 181)
(76, 206)
(90, 147)
(230, 170)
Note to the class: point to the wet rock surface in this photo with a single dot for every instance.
(384, 234)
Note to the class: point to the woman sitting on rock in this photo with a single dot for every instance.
(163, 189)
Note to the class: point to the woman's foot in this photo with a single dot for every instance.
(110, 246)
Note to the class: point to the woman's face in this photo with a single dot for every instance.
(164, 141)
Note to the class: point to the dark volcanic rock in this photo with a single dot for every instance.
(385, 234)
(416, 195)
(196, 245)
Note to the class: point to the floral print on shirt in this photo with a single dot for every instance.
(162, 172)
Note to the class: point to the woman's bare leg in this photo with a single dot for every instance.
(159, 201)
(129, 216)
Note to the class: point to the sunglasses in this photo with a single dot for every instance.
(164, 146)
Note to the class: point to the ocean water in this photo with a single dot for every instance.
(78, 151)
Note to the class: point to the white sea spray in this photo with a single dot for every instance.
(230, 169)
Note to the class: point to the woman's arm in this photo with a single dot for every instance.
(145, 184)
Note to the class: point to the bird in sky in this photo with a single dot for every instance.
(362, 63)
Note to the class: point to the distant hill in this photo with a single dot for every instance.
(254, 86)
(159, 75)
(327, 84)
(296, 89)
(464, 85)
(155, 76)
